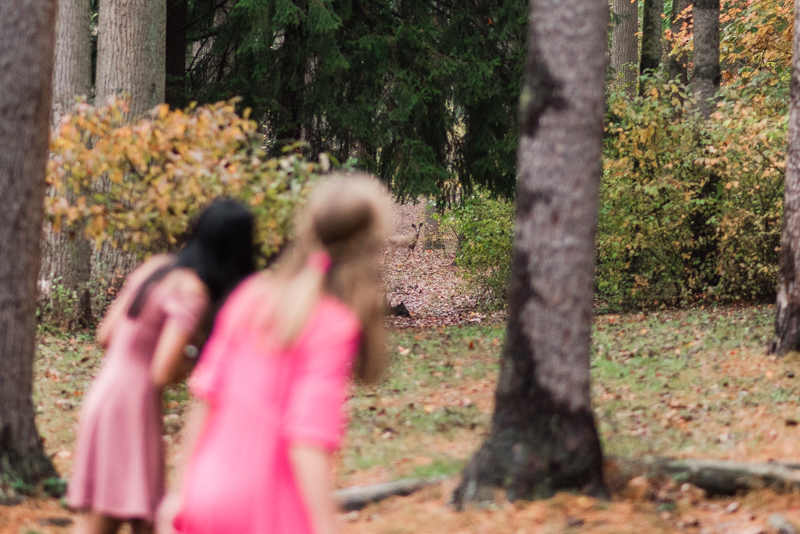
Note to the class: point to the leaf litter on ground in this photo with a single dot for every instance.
(682, 383)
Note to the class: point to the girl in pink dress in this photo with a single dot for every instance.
(273, 381)
(118, 472)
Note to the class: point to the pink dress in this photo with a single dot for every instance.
(239, 478)
(119, 458)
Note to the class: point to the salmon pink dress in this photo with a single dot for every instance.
(261, 401)
(118, 465)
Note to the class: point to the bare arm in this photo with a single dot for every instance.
(169, 364)
(312, 470)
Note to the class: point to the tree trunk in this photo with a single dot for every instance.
(27, 31)
(543, 436)
(131, 52)
(625, 40)
(678, 64)
(72, 75)
(651, 36)
(66, 256)
(787, 303)
(131, 58)
(177, 20)
(706, 75)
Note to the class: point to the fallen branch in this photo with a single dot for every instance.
(358, 497)
(717, 477)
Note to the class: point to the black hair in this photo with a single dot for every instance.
(219, 249)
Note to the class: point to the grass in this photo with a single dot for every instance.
(675, 383)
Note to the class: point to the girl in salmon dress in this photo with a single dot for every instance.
(118, 471)
(274, 378)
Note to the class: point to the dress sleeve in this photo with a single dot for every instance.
(315, 412)
(186, 308)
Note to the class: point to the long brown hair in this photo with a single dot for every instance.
(347, 217)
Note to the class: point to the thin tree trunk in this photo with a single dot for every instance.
(177, 19)
(678, 65)
(706, 74)
(66, 256)
(543, 436)
(625, 40)
(131, 52)
(72, 75)
(787, 303)
(651, 37)
(27, 31)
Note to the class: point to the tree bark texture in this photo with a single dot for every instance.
(678, 65)
(66, 256)
(27, 32)
(651, 36)
(706, 74)
(543, 436)
(787, 303)
(131, 52)
(625, 40)
(177, 21)
(72, 72)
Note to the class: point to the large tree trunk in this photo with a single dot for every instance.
(651, 36)
(787, 304)
(131, 52)
(706, 74)
(27, 31)
(678, 65)
(625, 40)
(66, 256)
(543, 436)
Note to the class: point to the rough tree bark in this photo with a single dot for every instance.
(678, 65)
(706, 74)
(787, 303)
(543, 435)
(131, 52)
(625, 40)
(66, 256)
(651, 37)
(27, 31)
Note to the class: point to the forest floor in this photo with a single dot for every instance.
(687, 384)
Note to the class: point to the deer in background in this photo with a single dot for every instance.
(408, 241)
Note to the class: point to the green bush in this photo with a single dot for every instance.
(690, 209)
(484, 227)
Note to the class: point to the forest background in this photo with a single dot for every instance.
(424, 94)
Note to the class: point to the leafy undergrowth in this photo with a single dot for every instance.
(675, 383)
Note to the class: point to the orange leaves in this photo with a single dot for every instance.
(139, 184)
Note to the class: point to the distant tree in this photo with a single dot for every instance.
(177, 43)
(543, 436)
(652, 30)
(131, 52)
(677, 66)
(706, 75)
(625, 40)
(66, 256)
(72, 75)
(27, 30)
(787, 303)
(422, 92)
